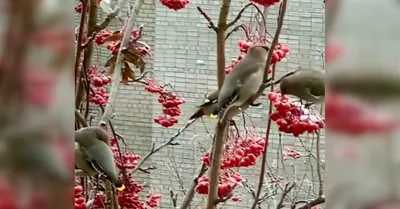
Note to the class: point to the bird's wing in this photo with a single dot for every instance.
(211, 99)
(234, 81)
(102, 159)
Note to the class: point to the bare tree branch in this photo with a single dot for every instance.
(110, 16)
(169, 142)
(210, 22)
(191, 191)
(281, 16)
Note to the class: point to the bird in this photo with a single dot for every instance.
(210, 104)
(93, 154)
(243, 82)
(307, 84)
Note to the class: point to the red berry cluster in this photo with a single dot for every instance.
(170, 102)
(129, 197)
(175, 4)
(227, 183)
(266, 3)
(99, 94)
(114, 46)
(236, 198)
(153, 199)
(79, 198)
(99, 201)
(293, 118)
(276, 180)
(229, 68)
(350, 116)
(280, 51)
(244, 45)
(290, 151)
(239, 152)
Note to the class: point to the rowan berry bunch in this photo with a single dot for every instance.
(97, 80)
(79, 198)
(293, 118)
(290, 151)
(175, 4)
(275, 180)
(353, 117)
(99, 200)
(170, 102)
(240, 152)
(129, 160)
(113, 46)
(280, 51)
(266, 3)
(153, 199)
(227, 183)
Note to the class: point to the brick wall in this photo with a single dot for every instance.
(179, 41)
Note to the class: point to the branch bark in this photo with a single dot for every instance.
(191, 191)
(281, 16)
(116, 77)
(221, 127)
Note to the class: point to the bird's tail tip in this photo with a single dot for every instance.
(213, 116)
(199, 113)
(119, 185)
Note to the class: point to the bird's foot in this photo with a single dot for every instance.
(232, 123)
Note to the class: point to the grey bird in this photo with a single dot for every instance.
(93, 154)
(243, 82)
(210, 105)
(307, 84)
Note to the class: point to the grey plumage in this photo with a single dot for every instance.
(307, 84)
(93, 154)
(243, 81)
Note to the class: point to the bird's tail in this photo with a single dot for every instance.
(119, 185)
(199, 113)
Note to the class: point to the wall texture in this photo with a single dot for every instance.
(180, 40)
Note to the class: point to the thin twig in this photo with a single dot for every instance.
(309, 205)
(274, 42)
(80, 118)
(191, 191)
(284, 194)
(210, 22)
(169, 142)
(110, 16)
(236, 29)
(239, 15)
(321, 183)
(116, 77)
(80, 38)
(174, 198)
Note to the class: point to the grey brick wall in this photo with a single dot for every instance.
(178, 40)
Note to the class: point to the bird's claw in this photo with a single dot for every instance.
(307, 105)
(232, 123)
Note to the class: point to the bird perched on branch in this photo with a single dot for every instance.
(93, 154)
(210, 105)
(242, 83)
(307, 84)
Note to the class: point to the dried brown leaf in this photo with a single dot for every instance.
(129, 72)
(113, 37)
(111, 61)
(111, 69)
(124, 77)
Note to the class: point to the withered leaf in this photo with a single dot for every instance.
(111, 69)
(132, 50)
(130, 73)
(124, 77)
(113, 37)
(111, 61)
(130, 58)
